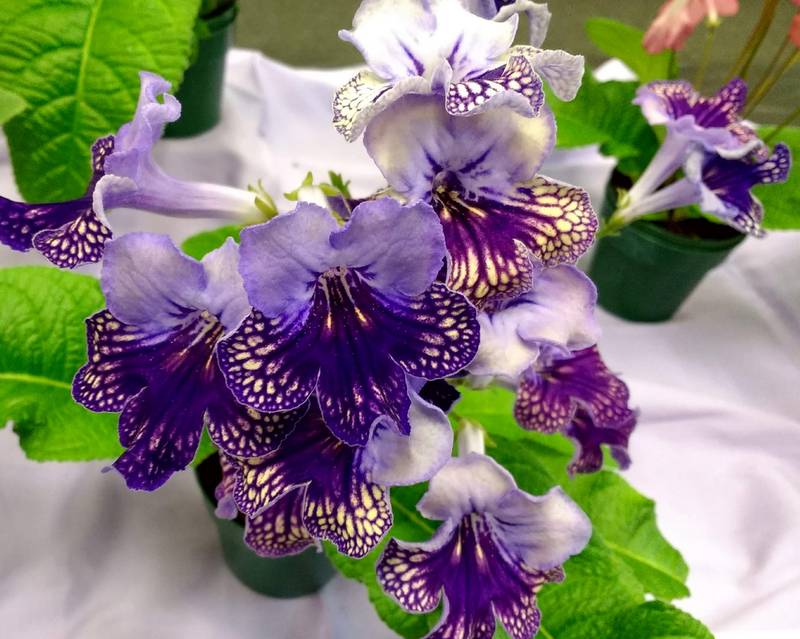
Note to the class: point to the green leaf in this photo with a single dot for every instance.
(42, 345)
(618, 40)
(198, 245)
(603, 113)
(782, 201)
(76, 64)
(622, 518)
(10, 105)
(205, 449)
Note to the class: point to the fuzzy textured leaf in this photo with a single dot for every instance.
(618, 40)
(782, 201)
(76, 64)
(42, 345)
(10, 105)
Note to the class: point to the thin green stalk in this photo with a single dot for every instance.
(711, 29)
(786, 122)
(765, 87)
(748, 53)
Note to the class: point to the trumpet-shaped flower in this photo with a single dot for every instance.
(151, 358)
(123, 175)
(677, 20)
(497, 546)
(346, 313)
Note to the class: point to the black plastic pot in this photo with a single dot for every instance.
(645, 273)
(284, 577)
(200, 93)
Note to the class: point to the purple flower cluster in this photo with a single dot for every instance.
(317, 352)
(720, 155)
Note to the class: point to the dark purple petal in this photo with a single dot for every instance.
(352, 346)
(548, 397)
(516, 85)
(589, 437)
(175, 369)
(241, 431)
(678, 98)
(731, 180)
(490, 238)
(67, 233)
(478, 577)
(341, 504)
(279, 530)
(78, 242)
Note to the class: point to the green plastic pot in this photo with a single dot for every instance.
(200, 92)
(645, 273)
(284, 577)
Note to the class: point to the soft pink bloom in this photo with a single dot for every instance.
(678, 18)
(794, 29)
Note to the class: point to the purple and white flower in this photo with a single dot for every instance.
(555, 317)
(454, 51)
(693, 123)
(346, 313)
(334, 491)
(537, 14)
(493, 534)
(151, 357)
(123, 175)
(725, 185)
(500, 220)
(579, 396)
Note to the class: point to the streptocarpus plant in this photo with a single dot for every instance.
(332, 353)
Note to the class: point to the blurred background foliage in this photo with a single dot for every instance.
(304, 33)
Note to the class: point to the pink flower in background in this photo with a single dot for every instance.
(678, 18)
(794, 29)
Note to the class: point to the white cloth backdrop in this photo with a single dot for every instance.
(718, 443)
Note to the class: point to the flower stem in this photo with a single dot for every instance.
(711, 30)
(470, 438)
(748, 53)
(769, 82)
(786, 122)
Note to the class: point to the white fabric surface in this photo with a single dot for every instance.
(718, 445)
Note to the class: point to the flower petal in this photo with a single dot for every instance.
(397, 249)
(414, 140)
(589, 437)
(473, 483)
(80, 241)
(240, 431)
(366, 95)
(516, 86)
(279, 530)
(490, 238)
(147, 281)
(549, 395)
(224, 294)
(394, 459)
(281, 259)
(223, 493)
(341, 504)
(558, 312)
(562, 71)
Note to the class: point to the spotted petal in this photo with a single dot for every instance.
(366, 95)
(726, 187)
(341, 503)
(515, 85)
(491, 238)
(223, 493)
(241, 431)
(279, 530)
(562, 71)
(549, 395)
